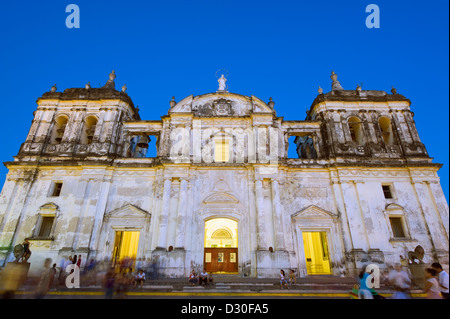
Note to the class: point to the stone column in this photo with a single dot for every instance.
(181, 220)
(277, 216)
(99, 213)
(164, 217)
(354, 215)
(262, 240)
(12, 211)
(340, 204)
(253, 224)
(435, 229)
(80, 214)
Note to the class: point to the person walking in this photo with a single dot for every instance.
(44, 281)
(292, 278)
(442, 277)
(79, 261)
(108, 283)
(364, 289)
(283, 279)
(431, 284)
(399, 279)
(52, 276)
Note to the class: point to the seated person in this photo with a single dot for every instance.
(203, 278)
(210, 278)
(193, 278)
(140, 278)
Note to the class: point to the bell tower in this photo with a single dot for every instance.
(79, 122)
(367, 125)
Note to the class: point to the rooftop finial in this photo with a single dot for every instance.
(110, 83)
(88, 85)
(320, 90)
(271, 103)
(112, 75)
(173, 102)
(394, 90)
(335, 85)
(54, 88)
(124, 88)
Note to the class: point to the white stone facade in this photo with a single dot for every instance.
(274, 199)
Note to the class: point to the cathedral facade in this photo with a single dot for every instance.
(222, 192)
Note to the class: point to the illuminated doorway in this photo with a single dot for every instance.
(221, 246)
(125, 245)
(316, 253)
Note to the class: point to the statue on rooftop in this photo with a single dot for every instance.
(222, 83)
(335, 85)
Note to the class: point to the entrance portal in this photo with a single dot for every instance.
(221, 246)
(125, 245)
(316, 253)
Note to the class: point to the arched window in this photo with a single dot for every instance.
(90, 124)
(356, 132)
(59, 129)
(386, 130)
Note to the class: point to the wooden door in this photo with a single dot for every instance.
(221, 260)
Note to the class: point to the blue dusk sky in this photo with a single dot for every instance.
(280, 49)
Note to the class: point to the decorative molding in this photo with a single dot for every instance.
(315, 212)
(128, 211)
(221, 198)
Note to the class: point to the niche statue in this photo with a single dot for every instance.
(22, 252)
(418, 254)
(305, 147)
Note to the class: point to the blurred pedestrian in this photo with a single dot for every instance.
(79, 261)
(442, 277)
(399, 279)
(52, 276)
(44, 280)
(153, 269)
(400, 294)
(364, 276)
(431, 284)
(108, 283)
(292, 278)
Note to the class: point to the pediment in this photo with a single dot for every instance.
(314, 212)
(221, 104)
(128, 211)
(221, 198)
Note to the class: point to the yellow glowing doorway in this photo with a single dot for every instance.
(316, 253)
(125, 245)
(221, 246)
